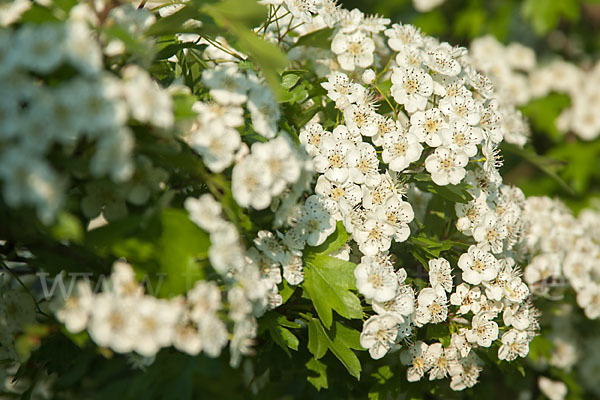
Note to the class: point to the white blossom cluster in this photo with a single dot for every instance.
(123, 318)
(519, 78)
(39, 117)
(556, 259)
(442, 116)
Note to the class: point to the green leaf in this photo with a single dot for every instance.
(348, 336)
(275, 323)
(544, 111)
(327, 281)
(544, 164)
(182, 106)
(432, 23)
(238, 16)
(289, 80)
(546, 14)
(319, 39)
(180, 245)
(174, 23)
(432, 247)
(286, 291)
(336, 340)
(540, 348)
(336, 240)
(38, 14)
(577, 155)
(68, 227)
(173, 48)
(318, 341)
(455, 193)
(319, 381)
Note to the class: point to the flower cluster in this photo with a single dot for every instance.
(41, 119)
(440, 113)
(520, 78)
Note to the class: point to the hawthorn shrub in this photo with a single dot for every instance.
(239, 199)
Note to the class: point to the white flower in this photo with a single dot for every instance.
(264, 111)
(123, 282)
(186, 338)
(483, 330)
(281, 162)
(441, 361)
(239, 305)
(74, 310)
(441, 61)
(353, 50)
(111, 322)
(466, 373)
(214, 335)
(467, 298)
(431, 307)
(520, 315)
(292, 268)
(227, 85)
(589, 299)
(402, 304)
(154, 322)
(311, 135)
(342, 90)
(268, 268)
(379, 334)
(375, 281)
(424, 6)
(250, 183)
(361, 119)
(411, 87)
(228, 115)
(216, 143)
(400, 149)
(463, 137)
(414, 357)
(398, 214)
(338, 193)
(446, 165)
(515, 343)
(226, 253)
(440, 275)
(302, 9)
(40, 46)
(333, 159)
(203, 299)
(316, 221)
(478, 265)
(428, 126)
(490, 233)
(146, 100)
(554, 390)
(242, 341)
(205, 212)
(461, 107)
(364, 164)
(374, 236)
(402, 36)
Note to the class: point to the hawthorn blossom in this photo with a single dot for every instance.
(446, 165)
